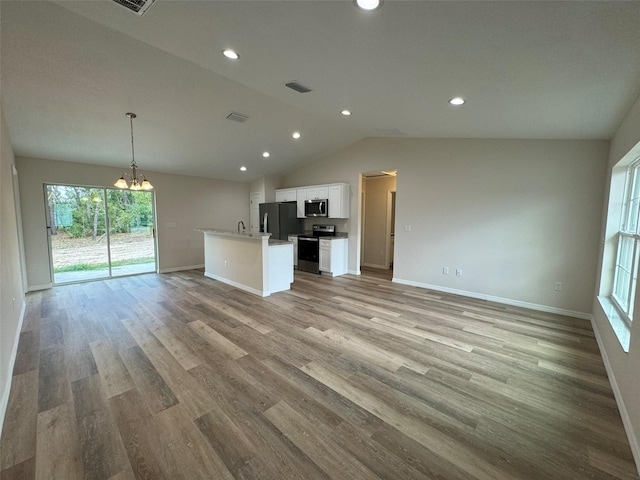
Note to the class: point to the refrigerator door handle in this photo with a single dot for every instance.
(266, 218)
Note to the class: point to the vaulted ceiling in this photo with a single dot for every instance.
(528, 69)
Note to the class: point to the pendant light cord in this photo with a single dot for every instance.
(133, 156)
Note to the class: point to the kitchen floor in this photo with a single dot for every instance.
(177, 376)
(385, 274)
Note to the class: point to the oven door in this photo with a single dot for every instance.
(308, 254)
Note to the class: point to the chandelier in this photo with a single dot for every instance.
(134, 175)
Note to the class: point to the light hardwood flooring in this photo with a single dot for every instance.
(177, 376)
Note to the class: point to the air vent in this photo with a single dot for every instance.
(139, 7)
(237, 117)
(298, 87)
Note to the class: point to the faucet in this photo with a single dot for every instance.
(243, 227)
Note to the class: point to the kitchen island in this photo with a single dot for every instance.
(249, 261)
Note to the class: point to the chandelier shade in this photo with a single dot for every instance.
(138, 180)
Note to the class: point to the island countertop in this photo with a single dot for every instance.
(247, 235)
(231, 233)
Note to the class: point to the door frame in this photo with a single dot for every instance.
(390, 215)
(108, 234)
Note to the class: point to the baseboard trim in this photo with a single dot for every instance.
(375, 265)
(237, 285)
(4, 401)
(491, 298)
(44, 286)
(624, 414)
(354, 272)
(180, 269)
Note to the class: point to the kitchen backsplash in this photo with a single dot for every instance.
(342, 224)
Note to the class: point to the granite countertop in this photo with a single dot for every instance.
(336, 237)
(275, 241)
(230, 233)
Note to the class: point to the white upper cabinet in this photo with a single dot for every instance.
(301, 196)
(317, 193)
(286, 195)
(339, 201)
(337, 195)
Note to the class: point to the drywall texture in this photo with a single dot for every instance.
(183, 203)
(623, 367)
(11, 290)
(241, 261)
(516, 216)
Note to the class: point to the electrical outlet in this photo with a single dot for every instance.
(458, 272)
(407, 228)
(558, 286)
(445, 270)
(13, 300)
(226, 263)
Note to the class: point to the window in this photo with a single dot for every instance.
(626, 266)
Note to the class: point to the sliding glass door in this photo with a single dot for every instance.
(131, 231)
(99, 232)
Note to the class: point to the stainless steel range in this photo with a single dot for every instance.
(309, 247)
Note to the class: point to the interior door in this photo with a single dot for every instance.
(255, 199)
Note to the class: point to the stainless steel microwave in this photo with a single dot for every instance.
(316, 208)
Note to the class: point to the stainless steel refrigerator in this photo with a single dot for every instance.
(280, 219)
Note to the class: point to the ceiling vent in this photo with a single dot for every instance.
(237, 117)
(136, 6)
(298, 87)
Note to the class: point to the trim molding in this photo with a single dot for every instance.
(624, 414)
(4, 401)
(354, 272)
(44, 286)
(237, 285)
(180, 269)
(374, 265)
(491, 298)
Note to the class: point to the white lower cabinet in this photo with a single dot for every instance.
(294, 239)
(333, 256)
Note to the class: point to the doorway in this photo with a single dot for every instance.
(378, 222)
(255, 199)
(96, 233)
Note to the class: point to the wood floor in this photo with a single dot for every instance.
(177, 376)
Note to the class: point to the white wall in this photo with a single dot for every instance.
(183, 203)
(238, 261)
(11, 286)
(622, 367)
(515, 215)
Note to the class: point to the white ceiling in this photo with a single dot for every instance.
(71, 70)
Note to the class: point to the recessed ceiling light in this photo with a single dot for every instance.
(230, 54)
(457, 101)
(296, 135)
(266, 154)
(346, 113)
(368, 4)
(243, 168)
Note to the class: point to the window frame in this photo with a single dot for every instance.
(629, 230)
